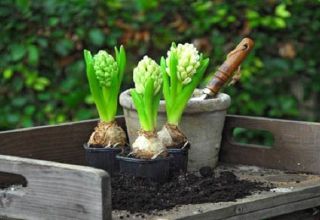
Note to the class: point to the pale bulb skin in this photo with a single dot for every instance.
(108, 135)
(172, 136)
(148, 146)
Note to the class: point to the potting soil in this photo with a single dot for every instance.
(139, 195)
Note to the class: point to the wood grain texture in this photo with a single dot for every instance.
(59, 143)
(55, 191)
(286, 197)
(307, 214)
(230, 65)
(264, 206)
(60, 191)
(278, 210)
(296, 144)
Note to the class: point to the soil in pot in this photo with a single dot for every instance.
(103, 158)
(140, 195)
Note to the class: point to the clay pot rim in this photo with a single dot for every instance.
(220, 103)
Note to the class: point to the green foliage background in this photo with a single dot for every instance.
(43, 81)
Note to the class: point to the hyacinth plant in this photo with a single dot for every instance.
(147, 78)
(105, 75)
(182, 72)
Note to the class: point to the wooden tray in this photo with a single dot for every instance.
(59, 190)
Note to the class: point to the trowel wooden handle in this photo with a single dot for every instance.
(232, 63)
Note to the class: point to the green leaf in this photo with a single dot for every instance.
(279, 22)
(123, 62)
(17, 52)
(63, 47)
(41, 83)
(165, 77)
(19, 101)
(33, 55)
(281, 11)
(173, 74)
(7, 73)
(148, 100)
(96, 37)
(144, 5)
(23, 5)
(13, 117)
(43, 42)
(156, 102)
(178, 106)
(138, 103)
(252, 14)
(94, 85)
(53, 21)
(29, 110)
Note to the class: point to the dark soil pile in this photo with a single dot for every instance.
(143, 196)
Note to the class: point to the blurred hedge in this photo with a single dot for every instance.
(42, 71)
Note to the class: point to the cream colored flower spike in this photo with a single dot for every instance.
(147, 68)
(188, 61)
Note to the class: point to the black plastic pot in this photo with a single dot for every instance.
(156, 169)
(103, 158)
(179, 162)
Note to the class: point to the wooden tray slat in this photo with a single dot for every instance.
(55, 191)
(296, 146)
(55, 188)
(60, 143)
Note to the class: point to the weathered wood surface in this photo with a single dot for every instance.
(260, 208)
(59, 143)
(288, 196)
(307, 214)
(55, 191)
(296, 144)
(296, 148)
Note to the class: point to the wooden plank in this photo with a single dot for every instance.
(296, 144)
(262, 206)
(279, 210)
(59, 143)
(296, 147)
(55, 191)
(307, 214)
(288, 194)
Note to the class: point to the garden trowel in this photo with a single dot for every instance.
(226, 70)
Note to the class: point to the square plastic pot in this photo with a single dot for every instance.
(179, 162)
(103, 158)
(156, 169)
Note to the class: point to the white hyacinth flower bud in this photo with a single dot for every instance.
(147, 68)
(105, 67)
(188, 61)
